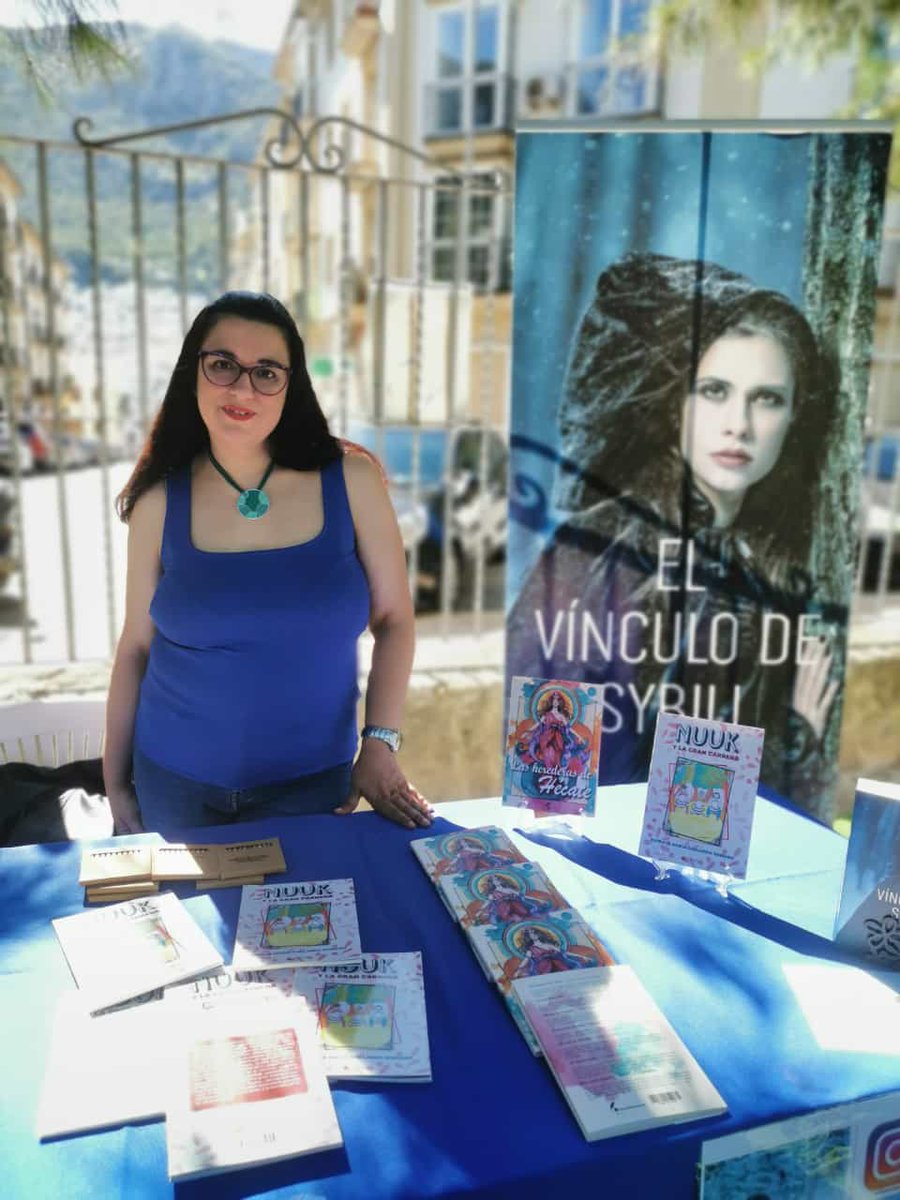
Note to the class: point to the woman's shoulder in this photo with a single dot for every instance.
(150, 506)
(363, 474)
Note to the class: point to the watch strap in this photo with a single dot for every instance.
(381, 733)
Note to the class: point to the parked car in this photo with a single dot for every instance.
(8, 563)
(39, 444)
(7, 464)
(478, 513)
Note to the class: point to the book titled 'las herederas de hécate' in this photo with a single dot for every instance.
(868, 918)
(619, 1063)
(554, 942)
(553, 732)
(499, 895)
(119, 952)
(701, 793)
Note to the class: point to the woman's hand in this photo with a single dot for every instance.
(377, 776)
(814, 692)
(125, 812)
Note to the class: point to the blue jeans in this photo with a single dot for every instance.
(169, 801)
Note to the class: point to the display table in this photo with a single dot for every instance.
(492, 1123)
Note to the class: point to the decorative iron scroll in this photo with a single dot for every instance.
(328, 159)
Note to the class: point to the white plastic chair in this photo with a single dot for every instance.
(51, 732)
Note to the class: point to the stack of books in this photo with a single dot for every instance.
(235, 1058)
(516, 921)
(116, 873)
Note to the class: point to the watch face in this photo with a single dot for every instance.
(389, 736)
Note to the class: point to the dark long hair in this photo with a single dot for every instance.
(633, 361)
(301, 438)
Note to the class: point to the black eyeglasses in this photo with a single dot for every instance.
(266, 378)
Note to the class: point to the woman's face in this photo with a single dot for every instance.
(238, 416)
(735, 419)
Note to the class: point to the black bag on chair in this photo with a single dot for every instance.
(33, 801)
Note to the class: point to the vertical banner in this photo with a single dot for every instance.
(692, 331)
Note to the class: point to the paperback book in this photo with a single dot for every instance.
(868, 918)
(104, 893)
(307, 923)
(559, 941)
(119, 952)
(371, 1017)
(552, 745)
(249, 1088)
(701, 793)
(104, 1070)
(618, 1062)
(500, 894)
(466, 850)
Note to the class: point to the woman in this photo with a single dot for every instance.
(257, 553)
(694, 427)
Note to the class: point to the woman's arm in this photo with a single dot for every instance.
(376, 772)
(130, 662)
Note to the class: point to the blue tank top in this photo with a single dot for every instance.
(252, 672)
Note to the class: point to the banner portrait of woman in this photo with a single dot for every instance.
(684, 533)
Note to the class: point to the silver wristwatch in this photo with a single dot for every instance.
(390, 737)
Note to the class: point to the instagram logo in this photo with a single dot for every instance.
(883, 1158)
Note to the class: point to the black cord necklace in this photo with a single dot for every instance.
(251, 502)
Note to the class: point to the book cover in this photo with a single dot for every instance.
(249, 1088)
(371, 1017)
(619, 1063)
(466, 850)
(556, 942)
(264, 857)
(701, 793)
(552, 745)
(307, 923)
(500, 894)
(119, 952)
(183, 861)
(103, 1070)
(868, 917)
(114, 864)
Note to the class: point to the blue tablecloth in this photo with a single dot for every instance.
(492, 1123)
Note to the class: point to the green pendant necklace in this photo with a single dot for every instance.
(251, 502)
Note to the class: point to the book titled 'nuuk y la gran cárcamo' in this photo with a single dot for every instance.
(701, 793)
(119, 952)
(305, 923)
(552, 745)
(248, 1087)
(868, 919)
(371, 1017)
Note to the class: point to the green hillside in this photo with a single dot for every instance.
(174, 77)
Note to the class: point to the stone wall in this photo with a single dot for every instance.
(453, 720)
